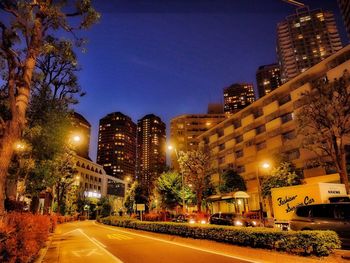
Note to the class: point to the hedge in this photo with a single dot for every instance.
(22, 235)
(319, 243)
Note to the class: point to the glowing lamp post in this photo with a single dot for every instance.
(265, 166)
(170, 148)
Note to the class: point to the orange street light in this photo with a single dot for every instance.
(20, 146)
(266, 166)
(76, 138)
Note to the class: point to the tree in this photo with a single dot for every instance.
(324, 122)
(23, 39)
(169, 186)
(232, 182)
(281, 176)
(136, 194)
(104, 206)
(195, 165)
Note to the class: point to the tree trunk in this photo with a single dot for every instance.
(199, 202)
(34, 204)
(11, 135)
(344, 179)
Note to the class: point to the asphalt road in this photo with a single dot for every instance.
(92, 242)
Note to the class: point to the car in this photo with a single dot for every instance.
(194, 218)
(230, 219)
(332, 216)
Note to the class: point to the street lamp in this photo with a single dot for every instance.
(264, 165)
(20, 146)
(170, 147)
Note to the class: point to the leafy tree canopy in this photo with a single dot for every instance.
(281, 176)
(232, 182)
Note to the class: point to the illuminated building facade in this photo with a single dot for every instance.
(94, 182)
(117, 145)
(304, 39)
(237, 97)
(267, 128)
(344, 6)
(184, 130)
(151, 159)
(268, 78)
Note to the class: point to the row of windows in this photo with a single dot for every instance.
(290, 135)
(92, 187)
(88, 167)
(291, 155)
(260, 129)
(92, 178)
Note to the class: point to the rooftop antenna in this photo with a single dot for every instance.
(294, 2)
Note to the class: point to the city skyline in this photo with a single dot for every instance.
(135, 78)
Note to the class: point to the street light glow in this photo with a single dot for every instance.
(76, 138)
(20, 146)
(170, 147)
(265, 165)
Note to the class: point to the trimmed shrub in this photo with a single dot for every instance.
(22, 235)
(319, 243)
(152, 217)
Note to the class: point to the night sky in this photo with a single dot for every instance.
(171, 57)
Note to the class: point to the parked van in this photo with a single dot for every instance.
(333, 216)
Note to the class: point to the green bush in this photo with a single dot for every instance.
(319, 243)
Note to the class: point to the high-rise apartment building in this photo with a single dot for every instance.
(82, 130)
(237, 97)
(151, 159)
(304, 39)
(184, 130)
(345, 10)
(268, 78)
(117, 145)
(268, 128)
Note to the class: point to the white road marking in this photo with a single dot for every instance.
(69, 232)
(102, 245)
(118, 237)
(102, 248)
(181, 245)
(86, 252)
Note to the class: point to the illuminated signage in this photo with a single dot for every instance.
(92, 194)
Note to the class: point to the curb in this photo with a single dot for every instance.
(43, 251)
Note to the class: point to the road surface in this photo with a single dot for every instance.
(92, 242)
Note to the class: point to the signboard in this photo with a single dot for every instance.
(140, 207)
(286, 199)
(92, 194)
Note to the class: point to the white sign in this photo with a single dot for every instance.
(140, 207)
(92, 194)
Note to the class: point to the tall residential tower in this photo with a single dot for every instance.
(304, 39)
(237, 97)
(268, 78)
(117, 145)
(345, 10)
(151, 159)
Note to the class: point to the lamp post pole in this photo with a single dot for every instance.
(261, 213)
(182, 181)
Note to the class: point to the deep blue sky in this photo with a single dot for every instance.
(171, 57)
